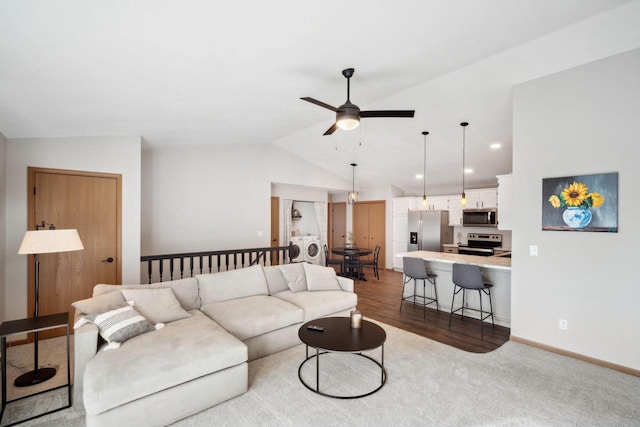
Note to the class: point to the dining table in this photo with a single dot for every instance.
(351, 257)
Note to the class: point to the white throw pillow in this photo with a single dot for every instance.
(275, 280)
(119, 325)
(295, 277)
(158, 305)
(321, 278)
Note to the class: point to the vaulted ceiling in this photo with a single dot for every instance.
(203, 72)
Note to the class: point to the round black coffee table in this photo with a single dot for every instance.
(337, 336)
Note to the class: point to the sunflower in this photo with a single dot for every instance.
(555, 201)
(575, 194)
(597, 199)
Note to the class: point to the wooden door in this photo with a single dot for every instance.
(361, 224)
(90, 203)
(275, 227)
(338, 225)
(377, 227)
(369, 226)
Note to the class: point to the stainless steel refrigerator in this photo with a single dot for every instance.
(429, 230)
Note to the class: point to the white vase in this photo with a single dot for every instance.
(576, 217)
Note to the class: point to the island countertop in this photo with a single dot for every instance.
(497, 263)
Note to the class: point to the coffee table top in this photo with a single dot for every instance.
(338, 336)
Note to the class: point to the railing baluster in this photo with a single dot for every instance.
(150, 268)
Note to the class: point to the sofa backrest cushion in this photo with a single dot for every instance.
(275, 280)
(321, 278)
(294, 275)
(185, 290)
(232, 284)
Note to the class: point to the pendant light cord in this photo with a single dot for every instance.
(424, 169)
(464, 125)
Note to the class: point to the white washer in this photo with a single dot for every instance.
(312, 249)
(298, 250)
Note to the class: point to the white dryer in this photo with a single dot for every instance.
(298, 249)
(312, 249)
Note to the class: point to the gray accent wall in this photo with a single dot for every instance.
(581, 121)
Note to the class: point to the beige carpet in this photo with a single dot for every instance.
(428, 384)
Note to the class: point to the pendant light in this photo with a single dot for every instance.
(352, 197)
(424, 171)
(463, 199)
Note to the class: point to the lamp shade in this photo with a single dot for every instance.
(50, 241)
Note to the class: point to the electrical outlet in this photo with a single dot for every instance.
(533, 250)
(562, 324)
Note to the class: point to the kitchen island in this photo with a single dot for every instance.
(495, 270)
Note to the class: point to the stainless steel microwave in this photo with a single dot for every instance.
(485, 217)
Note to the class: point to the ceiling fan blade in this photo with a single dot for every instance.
(387, 113)
(331, 130)
(320, 103)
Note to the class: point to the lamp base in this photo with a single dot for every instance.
(35, 377)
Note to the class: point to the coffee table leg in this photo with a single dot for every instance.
(317, 370)
(382, 367)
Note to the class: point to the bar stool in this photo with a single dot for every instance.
(468, 277)
(415, 269)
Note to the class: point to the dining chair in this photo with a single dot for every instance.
(330, 261)
(415, 269)
(468, 277)
(374, 262)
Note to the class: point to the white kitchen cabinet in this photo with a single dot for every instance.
(505, 202)
(399, 226)
(438, 203)
(482, 198)
(455, 210)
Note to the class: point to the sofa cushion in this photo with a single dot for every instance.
(321, 278)
(232, 284)
(185, 290)
(158, 305)
(319, 304)
(100, 304)
(181, 351)
(119, 325)
(295, 277)
(275, 280)
(252, 316)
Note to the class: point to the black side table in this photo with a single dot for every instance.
(24, 326)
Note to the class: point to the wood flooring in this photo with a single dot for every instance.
(380, 300)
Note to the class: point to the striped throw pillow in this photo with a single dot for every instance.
(117, 326)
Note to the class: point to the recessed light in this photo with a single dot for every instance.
(418, 176)
(495, 145)
(468, 170)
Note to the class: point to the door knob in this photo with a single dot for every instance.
(108, 260)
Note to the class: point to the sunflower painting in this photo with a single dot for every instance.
(581, 203)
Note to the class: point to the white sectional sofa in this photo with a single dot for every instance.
(199, 358)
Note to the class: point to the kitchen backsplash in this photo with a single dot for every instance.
(460, 233)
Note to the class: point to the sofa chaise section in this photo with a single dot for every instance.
(193, 358)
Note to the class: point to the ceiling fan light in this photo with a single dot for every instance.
(348, 123)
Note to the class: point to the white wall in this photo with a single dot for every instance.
(3, 223)
(119, 155)
(202, 198)
(580, 121)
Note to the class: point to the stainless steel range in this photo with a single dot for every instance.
(480, 244)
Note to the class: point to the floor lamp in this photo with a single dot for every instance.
(44, 239)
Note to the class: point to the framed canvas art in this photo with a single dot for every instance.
(581, 203)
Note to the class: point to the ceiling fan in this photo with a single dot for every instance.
(348, 115)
